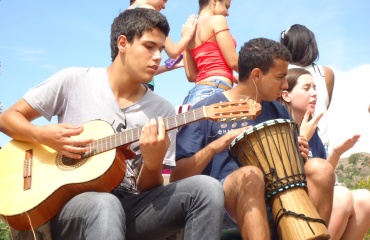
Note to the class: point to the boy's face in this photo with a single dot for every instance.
(143, 56)
(271, 85)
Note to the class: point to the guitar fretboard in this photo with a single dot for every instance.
(133, 135)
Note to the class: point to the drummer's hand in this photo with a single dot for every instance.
(224, 142)
(308, 128)
(303, 146)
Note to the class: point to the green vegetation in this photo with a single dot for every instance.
(4, 231)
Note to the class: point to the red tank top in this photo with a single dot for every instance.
(210, 61)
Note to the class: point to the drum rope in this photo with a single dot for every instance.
(281, 184)
(282, 212)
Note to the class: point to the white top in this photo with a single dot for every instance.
(322, 102)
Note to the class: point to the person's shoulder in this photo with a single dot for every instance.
(218, 21)
(69, 72)
(80, 70)
(159, 101)
(328, 72)
(218, 18)
(275, 108)
(273, 104)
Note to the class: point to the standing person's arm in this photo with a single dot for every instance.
(224, 41)
(172, 49)
(329, 80)
(16, 123)
(164, 68)
(190, 66)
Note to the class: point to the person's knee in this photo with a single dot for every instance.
(248, 179)
(320, 170)
(107, 204)
(343, 199)
(208, 188)
(362, 200)
(252, 174)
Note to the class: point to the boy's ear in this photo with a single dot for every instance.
(256, 75)
(122, 42)
(285, 96)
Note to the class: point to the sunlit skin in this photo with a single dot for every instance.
(304, 95)
(154, 4)
(272, 85)
(222, 8)
(150, 47)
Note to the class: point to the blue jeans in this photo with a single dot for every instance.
(194, 204)
(199, 92)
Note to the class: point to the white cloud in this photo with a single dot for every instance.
(27, 55)
(348, 113)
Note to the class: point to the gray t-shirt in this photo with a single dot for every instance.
(79, 95)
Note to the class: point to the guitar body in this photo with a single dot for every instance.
(52, 182)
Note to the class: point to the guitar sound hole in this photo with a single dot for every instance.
(66, 163)
(70, 161)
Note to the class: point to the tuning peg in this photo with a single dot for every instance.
(234, 124)
(223, 125)
(244, 123)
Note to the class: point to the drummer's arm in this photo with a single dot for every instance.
(194, 165)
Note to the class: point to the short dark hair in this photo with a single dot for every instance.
(260, 53)
(132, 23)
(301, 43)
(132, 2)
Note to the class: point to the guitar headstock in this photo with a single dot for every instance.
(233, 111)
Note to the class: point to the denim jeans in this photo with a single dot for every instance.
(199, 92)
(194, 204)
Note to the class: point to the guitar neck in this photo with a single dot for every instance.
(133, 135)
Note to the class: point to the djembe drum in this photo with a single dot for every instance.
(273, 147)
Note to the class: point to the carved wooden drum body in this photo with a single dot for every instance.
(272, 146)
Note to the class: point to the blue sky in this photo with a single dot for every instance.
(38, 38)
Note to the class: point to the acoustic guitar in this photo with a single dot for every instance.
(36, 181)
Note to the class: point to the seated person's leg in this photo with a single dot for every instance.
(195, 204)
(320, 186)
(359, 221)
(342, 209)
(245, 202)
(90, 215)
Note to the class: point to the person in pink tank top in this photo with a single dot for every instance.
(211, 58)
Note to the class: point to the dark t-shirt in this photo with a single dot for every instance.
(194, 137)
(316, 147)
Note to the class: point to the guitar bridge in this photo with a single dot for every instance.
(27, 170)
